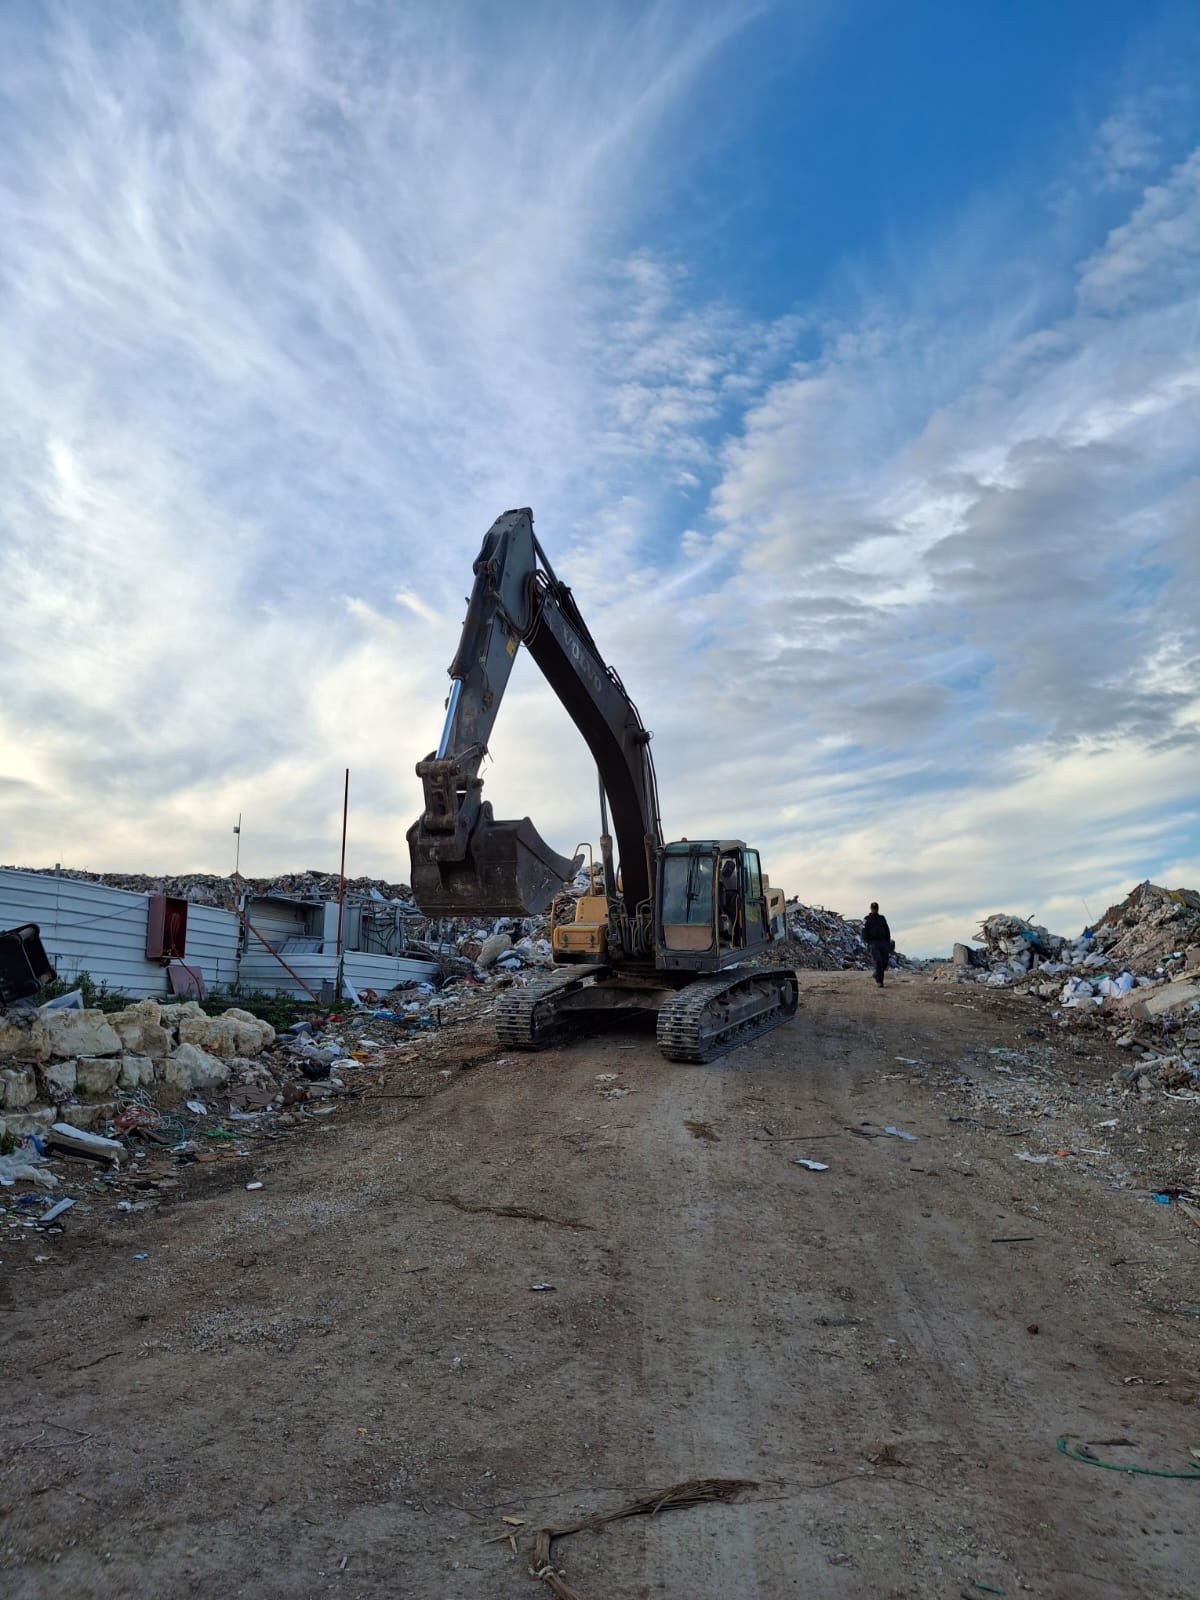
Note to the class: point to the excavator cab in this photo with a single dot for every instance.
(711, 905)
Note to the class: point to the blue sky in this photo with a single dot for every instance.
(848, 355)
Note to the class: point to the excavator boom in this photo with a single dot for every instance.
(463, 858)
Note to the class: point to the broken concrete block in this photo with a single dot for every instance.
(58, 1079)
(136, 1072)
(203, 1071)
(97, 1076)
(141, 1030)
(1146, 1003)
(64, 1034)
(18, 1088)
(17, 1041)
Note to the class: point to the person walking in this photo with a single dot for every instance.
(877, 937)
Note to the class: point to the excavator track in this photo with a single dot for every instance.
(712, 1016)
(528, 1018)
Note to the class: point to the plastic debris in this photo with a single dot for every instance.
(811, 1166)
(899, 1133)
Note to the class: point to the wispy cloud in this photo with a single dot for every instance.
(294, 300)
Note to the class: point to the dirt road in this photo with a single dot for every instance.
(339, 1384)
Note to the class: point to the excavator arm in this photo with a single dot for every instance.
(463, 858)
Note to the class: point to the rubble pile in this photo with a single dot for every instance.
(1015, 945)
(822, 941)
(1151, 927)
(1135, 975)
(207, 888)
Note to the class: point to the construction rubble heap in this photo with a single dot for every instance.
(1135, 974)
(822, 941)
(208, 888)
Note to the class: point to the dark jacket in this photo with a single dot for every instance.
(875, 929)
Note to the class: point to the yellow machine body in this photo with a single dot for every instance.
(585, 938)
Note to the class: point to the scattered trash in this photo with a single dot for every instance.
(78, 1142)
(1161, 1199)
(254, 1186)
(899, 1133)
(197, 1107)
(811, 1166)
(55, 1211)
(26, 1164)
(1037, 1161)
(142, 1255)
(541, 1288)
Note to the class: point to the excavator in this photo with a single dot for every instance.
(665, 928)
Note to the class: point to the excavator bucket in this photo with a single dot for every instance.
(508, 871)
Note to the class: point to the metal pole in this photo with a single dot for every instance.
(237, 858)
(342, 881)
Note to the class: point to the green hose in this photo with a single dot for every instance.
(1115, 1466)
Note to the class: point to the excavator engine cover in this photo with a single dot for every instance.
(508, 871)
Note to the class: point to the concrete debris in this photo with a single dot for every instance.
(207, 888)
(1135, 975)
(823, 941)
(1152, 927)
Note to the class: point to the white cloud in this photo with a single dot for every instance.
(290, 312)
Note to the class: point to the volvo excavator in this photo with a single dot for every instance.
(664, 928)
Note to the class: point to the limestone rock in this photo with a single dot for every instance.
(59, 1079)
(141, 1030)
(203, 1071)
(92, 1115)
(63, 1034)
(97, 1076)
(17, 1041)
(136, 1072)
(34, 1119)
(253, 1034)
(18, 1088)
(174, 1073)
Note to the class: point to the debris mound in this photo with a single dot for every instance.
(1149, 925)
(821, 940)
(209, 888)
